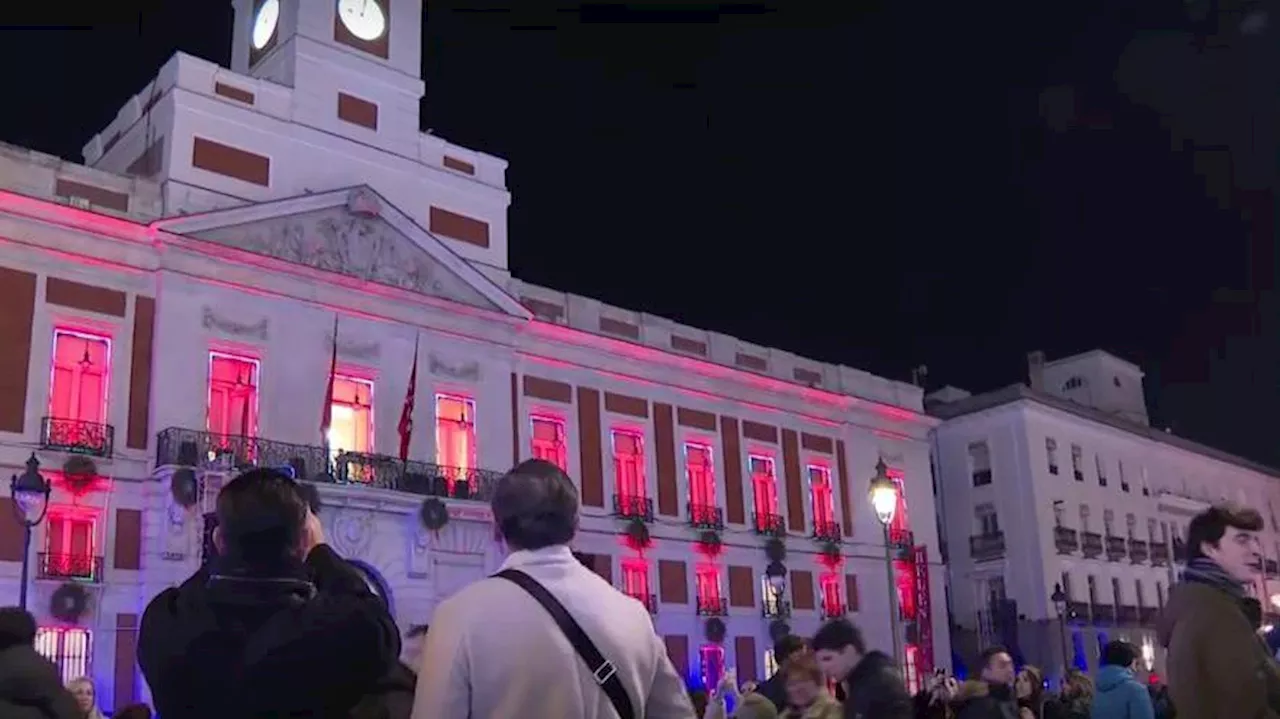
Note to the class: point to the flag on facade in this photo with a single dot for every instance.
(406, 414)
(326, 416)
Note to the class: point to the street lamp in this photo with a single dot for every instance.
(30, 493)
(1059, 599)
(884, 499)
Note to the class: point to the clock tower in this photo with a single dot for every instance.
(354, 65)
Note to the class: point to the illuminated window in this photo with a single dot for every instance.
(628, 463)
(635, 579)
(548, 441)
(707, 578)
(764, 489)
(824, 511)
(900, 528)
(80, 376)
(831, 602)
(770, 664)
(351, 419)
(455, 436)
(68, 648)
(701, 475)
(68, 546)
(773, 596)
(233, 395)
(711, 661)
(911, 668)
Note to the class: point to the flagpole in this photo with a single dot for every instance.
(326, 413)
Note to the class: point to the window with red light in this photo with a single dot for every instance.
(79, 377)
(455, 436)
(707, 578)
(68, 546)
(233, 395)
(711, 662)
(351, 415)
(764, 488)
(628, 463)
(824, 509)
(69, 648)
(901, 524)
(635, 579)
(549, 441)
(831, 601)
(701, 475)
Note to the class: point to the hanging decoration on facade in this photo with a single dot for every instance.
(778, 629)
(709, 543)
(924, 612)
(80, 473)
(714, 630)
(69, 602)
(434, 514)
(775, 549)
(831, 556)
(637, 533)
(184, 487)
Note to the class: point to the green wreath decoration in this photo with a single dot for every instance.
(68, 602)
(434, 514)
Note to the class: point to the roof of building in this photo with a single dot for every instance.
(1020, 392)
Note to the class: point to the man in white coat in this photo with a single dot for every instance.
(494, 652)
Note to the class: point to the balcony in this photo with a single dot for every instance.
(1091, 544)
(706, 516)
(1117, 549)
(713, 607)
(1147, 616)
(194, 448)
(903, 544)
(1104, 614)
(74, 436)
(649, 601)
(630, 507)
(1138, 552)
(985, 547)
(1127, 615)
(776, 608)
(1077, 611)
(826, 531)
(1159, 554)
(79, 567)
(769, 524)
(833, 611)
(1066, 540)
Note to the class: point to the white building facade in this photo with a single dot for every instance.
(174, 307)
(1063, 484)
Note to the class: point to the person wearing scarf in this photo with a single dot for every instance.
(1215, 660)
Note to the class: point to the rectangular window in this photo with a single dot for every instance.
(68, 648)
(988, 520)
(1124, 481)
(1077, 462)
(707, 577)
(824, 509)
(1102, 471)
(980, 463)
(773, 597)
(456, 434)
(832, 605)
(68, 546)
(351, 418)
(1051, 453)
(635, 579)
(770, 663)
(80, 375)
(1159, 595)
(701, 475)
(1138, 593)
(628, 464)
(548, 438)
(764, 489)
(233, 396)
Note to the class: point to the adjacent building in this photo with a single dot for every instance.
(1062, 484)
(250, 253)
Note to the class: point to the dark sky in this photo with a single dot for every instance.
(949, 184)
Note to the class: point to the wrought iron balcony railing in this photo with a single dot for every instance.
(194, 448)
(706, 516)
(902, 542)
(833, 611)
(1138, 552)
(1117, 549)
(76, 436)
(1091, 544)
(825, 531)
(632, 507)
(776, 608)
(649, 601)
(82, 567)
(713, 607)
(1066, 540)
(769, 524)
(983, 547)
(1160, 554)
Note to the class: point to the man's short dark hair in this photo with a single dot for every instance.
(17, 627)
(535, 505)
(786, 646)
(984, 659)
(1252, 611)
(1208, 526)
(261, 515)
(837, 634)
(1119, 653)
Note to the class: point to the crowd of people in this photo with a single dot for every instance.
(276, 625)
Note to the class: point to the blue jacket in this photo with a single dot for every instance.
(1120, 696)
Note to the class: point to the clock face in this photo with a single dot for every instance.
(363, 18)
(264, 23)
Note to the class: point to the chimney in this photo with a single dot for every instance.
(1035, 370)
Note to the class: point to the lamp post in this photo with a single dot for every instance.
(30, 493)
(1059, 599)
(884, 499)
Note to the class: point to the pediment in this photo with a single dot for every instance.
(353, 233)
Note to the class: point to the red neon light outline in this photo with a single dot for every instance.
(64, 329)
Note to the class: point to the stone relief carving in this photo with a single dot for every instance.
(353, 349)
(353, 244)
(213, 321)
(177, 532)
(465, 371)
(419, 551)
(352, 530)
(460, 537)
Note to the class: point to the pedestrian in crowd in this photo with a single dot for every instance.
(30, 687)
(86, 696)
(934, 700)
(873, 686)
(498, 649)
(1215, 661)
(1028, 690)
(1119, 694)
(774, 688)
(1161, 702)
(991, 695)
(806, 687)
(277, 625)
(747, 703)
(1074, 700)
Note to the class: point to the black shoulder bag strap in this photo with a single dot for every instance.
(602, 670)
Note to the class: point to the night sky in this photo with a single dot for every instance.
(948, 184)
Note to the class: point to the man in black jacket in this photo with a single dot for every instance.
(30, 687)
(276, 625)
(991, 697)
(873, 685)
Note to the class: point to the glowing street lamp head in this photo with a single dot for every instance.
(883, 494)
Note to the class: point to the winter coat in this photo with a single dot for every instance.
(30, 687)
(977, 700)
(874, 690)
(1119, 696)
